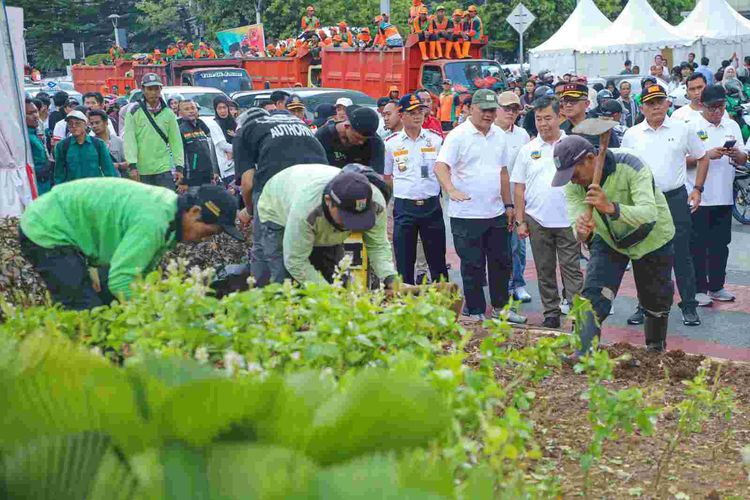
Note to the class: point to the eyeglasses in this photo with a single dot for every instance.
(570, 102)
(715, 108)
(511, 109)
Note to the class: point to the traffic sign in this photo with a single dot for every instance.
(520, 18)
(69, 51)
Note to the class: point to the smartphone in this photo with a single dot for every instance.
(730, 144)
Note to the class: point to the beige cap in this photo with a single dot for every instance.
(509, 98)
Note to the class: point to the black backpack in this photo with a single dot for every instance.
(101, 149)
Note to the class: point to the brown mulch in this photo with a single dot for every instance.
(705, 465)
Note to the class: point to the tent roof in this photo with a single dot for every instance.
(584, 23)
(639, 27)
(714, 19)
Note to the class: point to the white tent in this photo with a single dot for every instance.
(558, 53)
(720, 30)
(637, 34)
(16, 172)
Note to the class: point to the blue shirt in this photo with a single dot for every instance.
(706, 71)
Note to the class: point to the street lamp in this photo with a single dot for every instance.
(114, 18)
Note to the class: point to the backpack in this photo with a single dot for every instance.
(98, 144)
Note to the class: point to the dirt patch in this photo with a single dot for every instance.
(705, 465)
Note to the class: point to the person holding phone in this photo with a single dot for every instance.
(712, 222)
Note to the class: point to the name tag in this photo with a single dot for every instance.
(400, 152)
(428, 150)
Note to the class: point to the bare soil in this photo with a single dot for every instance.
(705, 465)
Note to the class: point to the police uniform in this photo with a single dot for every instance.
(416, 191)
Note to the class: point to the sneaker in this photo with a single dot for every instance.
(521, 294)
(473, 318)
(565, 306)
(629, 266)
(551, 322)
(721, 295)
(612, 309)
(690, 317)
(637, 317)
(422, 278)
(704, 300)
(512, 316)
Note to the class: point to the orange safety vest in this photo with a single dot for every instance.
(419, 26)
(436, 25)
(387, 32)
(414, 10)
(309, 22)
(348, 37)
(477, 29)
(448, 112)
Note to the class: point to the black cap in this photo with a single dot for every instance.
(383, 101)
(610, 107)
(363, 120)
(654, 91)
(713, 94)
(575, 91)
(278, 95)
(322, 113)
(218, 207)
(352, 194)
(410, 102)
(568, 152)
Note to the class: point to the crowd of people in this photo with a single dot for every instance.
(506, 168)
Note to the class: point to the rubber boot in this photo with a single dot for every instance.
(439, 50)
(655, 329)
(467, 46)
(432, 50)
(423, 50)
(589, 330)
(448, 49)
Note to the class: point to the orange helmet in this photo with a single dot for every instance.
(423, 10)
(378, 19)
(342, 24)
(458, 12)
(309, 8)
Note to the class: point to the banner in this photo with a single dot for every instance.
(237, 41)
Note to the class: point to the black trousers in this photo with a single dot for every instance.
(164, 179)
(683, 261)
(483, 245)
(653, 282)
(65, 272)
(709, 246)
(423, 218)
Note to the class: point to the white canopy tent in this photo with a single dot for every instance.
(17, 187)
(558, 54)
(637, 34)
(720, 30)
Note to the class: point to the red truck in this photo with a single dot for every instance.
(371, 71)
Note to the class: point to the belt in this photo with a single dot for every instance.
(418, 203)
(675, 192)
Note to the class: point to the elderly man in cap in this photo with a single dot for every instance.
(80, 155)
(311, 206)
(664, 143)
(574, 101)
(712, 222)
(153, 143)
(354, 140)
(410, 160)
(114, 224)
(624, 218)
(472, 170)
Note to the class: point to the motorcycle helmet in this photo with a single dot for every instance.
(602, 96)
(543, 91)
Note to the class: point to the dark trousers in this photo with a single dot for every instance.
(259, 265)
(483, 245)
(653, 282)
(683, 262)
(66, 274)
(712, 233)
(446, 126)
(164, 179)
(271, 247)
(423, 218)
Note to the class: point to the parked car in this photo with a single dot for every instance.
(312, 97)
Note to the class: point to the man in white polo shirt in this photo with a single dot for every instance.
(712, 222)
(516, 137)
(542, 213)
(410, 156)
(472, 169)
(664, 143)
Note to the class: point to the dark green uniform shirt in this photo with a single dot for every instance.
(89, 159)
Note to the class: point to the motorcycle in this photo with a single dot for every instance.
(741, 191)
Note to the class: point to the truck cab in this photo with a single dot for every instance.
(467, 75)
(226, 79)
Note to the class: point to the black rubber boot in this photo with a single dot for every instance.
(655, 329)
(589, 330)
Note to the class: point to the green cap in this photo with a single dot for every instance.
(439, 7)
(485, 99)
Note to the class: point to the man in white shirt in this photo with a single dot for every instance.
(664, 143)
(712, 222)
(542, 213)
(692, 112)
(410, 158)
(472, 169)
(516, 137)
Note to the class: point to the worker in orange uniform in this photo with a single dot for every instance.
(476, 29)
(441, 28)
(171, 51)
(346, 34)
(416, 6)
(189, 50)
(211, 51)
(309, 23)
(364, 38)
(388, 35)
(421, 26)
(156, 57)
(115, 52)
(450, 106)
(393, 93)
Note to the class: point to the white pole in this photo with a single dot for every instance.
(520, 50)
(117, 37)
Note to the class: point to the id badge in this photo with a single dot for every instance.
(425, 169)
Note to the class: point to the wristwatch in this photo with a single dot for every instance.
(510, 205)
(698, 188)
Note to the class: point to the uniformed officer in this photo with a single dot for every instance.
(410, 158)
(574, 102)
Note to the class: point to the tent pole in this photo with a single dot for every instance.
(575, 62)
